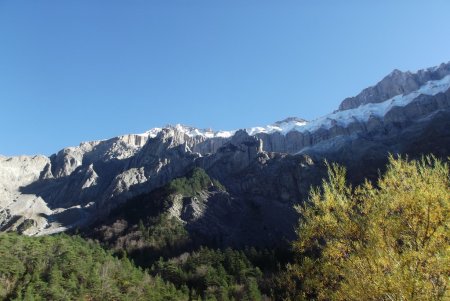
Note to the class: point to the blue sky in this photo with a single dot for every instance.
(72, 71)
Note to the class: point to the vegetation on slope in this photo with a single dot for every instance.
(70, 268)
(145, 230)
(194, 183)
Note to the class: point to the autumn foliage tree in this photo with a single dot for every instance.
(389, 241)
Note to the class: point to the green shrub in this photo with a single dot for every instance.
(196, 182)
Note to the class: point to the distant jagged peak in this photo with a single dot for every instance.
(283, 127)
(295, 120)
(152, 133)
(397, 72)
(396, 83)
(191, 131)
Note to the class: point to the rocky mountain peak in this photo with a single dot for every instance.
(290, 120)
(242, 137)
(397, 73)
(396, 83)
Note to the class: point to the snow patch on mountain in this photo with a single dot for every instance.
(283, 127)
(190, 132)
(151, 133)
(364, 112)
(207, 133)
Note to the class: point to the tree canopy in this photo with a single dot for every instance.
(389, 241)
(61, 267)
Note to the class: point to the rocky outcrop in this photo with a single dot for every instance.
(123, 147)
(395, 83)
(15, 206)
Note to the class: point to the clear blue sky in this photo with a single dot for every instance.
(81, 70)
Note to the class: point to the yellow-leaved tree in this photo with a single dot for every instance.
(389, 241)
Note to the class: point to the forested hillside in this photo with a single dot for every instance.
(386, 240)
(61, 267)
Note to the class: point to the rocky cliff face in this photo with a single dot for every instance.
(388, 108)
(15, 207)
(395, 83)
(264, 169)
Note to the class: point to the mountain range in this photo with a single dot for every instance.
(254, 176)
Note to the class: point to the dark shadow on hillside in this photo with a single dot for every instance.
(10, 222)
(57, 191)
(69, 218)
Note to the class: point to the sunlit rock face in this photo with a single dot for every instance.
(394, 84)
(266, 169)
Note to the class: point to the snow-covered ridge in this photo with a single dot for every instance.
(207, 133)
(283, 127)
(189, 131)
(341, 118)
(364, 112)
